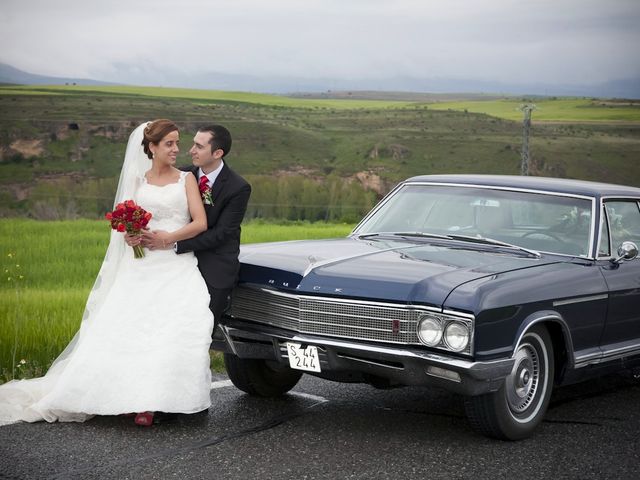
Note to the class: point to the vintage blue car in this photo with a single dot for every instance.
(494, 287)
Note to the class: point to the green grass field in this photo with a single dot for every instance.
(549, 110)
(48, 270)
(206, 96)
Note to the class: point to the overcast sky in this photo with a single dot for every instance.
(521, 41)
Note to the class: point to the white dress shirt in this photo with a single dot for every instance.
(211, 177)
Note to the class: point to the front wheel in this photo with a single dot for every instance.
(260, 377)
(517, 408)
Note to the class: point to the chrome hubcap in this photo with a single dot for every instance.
(522, 384)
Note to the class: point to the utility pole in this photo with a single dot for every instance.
(526, 108)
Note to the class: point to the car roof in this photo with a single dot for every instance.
(556, 185)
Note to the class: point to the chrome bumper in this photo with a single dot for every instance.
(344, 360)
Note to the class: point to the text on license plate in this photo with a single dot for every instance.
(303, 358)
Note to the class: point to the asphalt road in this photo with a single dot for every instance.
(329, 430)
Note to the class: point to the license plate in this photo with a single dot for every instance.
(303, 358)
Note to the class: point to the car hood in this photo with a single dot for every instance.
(396, 271)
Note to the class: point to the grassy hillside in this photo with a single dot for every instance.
(61, 148)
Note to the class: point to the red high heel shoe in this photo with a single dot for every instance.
(144, 419)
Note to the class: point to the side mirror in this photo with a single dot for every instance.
(626, 251)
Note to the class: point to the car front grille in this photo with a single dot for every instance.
(334, 317)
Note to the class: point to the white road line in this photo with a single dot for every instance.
(221, 384)
(308, 396)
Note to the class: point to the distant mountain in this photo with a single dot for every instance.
(132, 75)
(629, 88)
(12, 75)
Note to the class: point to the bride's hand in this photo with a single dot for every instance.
(132, 240)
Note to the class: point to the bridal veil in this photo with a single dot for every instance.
(17, 396)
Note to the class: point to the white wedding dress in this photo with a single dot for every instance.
(143, 344)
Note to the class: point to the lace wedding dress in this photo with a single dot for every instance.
(144, 342)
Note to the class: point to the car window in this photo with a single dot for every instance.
(624, 221)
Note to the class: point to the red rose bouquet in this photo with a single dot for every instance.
(131, 218)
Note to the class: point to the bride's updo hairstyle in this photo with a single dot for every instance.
(155, 132)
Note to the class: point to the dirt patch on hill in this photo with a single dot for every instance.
(111, 131)
(18, 191)
(298, 170)
(394, 151)
(27, 148)
(371, 181)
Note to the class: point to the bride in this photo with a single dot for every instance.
(143, 344)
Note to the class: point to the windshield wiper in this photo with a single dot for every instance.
(491, 241)
(453, 236)
(420, 234)
(403, 234)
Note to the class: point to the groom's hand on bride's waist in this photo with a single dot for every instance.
(156, 240)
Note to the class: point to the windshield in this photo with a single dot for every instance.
(536, 221)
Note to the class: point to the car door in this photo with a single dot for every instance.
(621, 223)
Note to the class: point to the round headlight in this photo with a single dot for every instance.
(430, 330)
(457, 336)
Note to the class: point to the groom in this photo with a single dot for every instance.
(225, 195)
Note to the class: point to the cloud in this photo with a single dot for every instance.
(559, 41)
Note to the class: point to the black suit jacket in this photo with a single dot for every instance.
(218, 247)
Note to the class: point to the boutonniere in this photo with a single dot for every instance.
(206, 195)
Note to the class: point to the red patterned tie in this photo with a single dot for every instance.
(203, 183)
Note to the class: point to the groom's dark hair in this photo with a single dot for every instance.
(220, 138)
